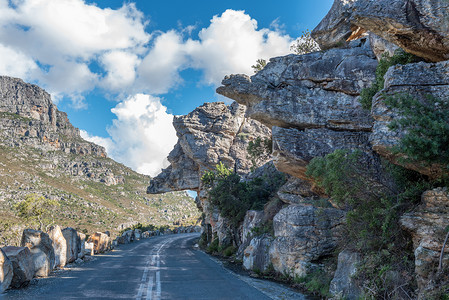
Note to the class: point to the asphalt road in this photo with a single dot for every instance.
(164, 267)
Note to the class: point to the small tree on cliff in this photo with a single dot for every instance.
(305, 44)
(37, 209)
(260, 64)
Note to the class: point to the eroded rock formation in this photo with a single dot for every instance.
(417, 26)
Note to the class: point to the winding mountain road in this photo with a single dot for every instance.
(164, 267)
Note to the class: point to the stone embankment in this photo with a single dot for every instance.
(41, 252)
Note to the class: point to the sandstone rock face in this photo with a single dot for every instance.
(417, 26)
(6, 272)
(22, 263)
(315, 90)
(418, 80)
(294, 149)
(253, 219)
(335, 29)
(256, 256)
(73, 244)
(427, 225)
(342, 285)
(296, 191)
(59, 245)
(381, 46)
(303, 234)
(42, 252)
(212, 133)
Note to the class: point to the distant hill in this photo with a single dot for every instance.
(41, 152)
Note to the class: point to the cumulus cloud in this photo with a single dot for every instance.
(64, 38)
(141, 135)
(232, 43)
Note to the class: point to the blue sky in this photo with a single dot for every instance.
(121, 69)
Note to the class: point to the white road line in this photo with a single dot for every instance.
(158, 285)
(150, 289)
(140, 293)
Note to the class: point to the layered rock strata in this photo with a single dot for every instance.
(417, 26)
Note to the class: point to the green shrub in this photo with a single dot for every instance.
(400, 57)
(213, 247)
(259, 150)
(260, 64)
(229, 251)
(316, 282)
(305, 44)
(234, 197)
(426, 123)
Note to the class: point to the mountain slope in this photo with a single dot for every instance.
(42, 153)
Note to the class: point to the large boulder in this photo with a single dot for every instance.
(256, 256)
(42, 251)
(22, 264)
(427, 225)
(315, 90)
(343, 285)
(73, 244)
(59, 245)
(303, 234)
(101, 241)
(6, 272)
(418, 80)
(82, 240)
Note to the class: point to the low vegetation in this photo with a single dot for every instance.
(400, 57)
(305, 44)
(425, 122)
(234, 197)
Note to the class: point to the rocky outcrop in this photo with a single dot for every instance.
(418, 80)
(315, 90)
(22, 263)
(6, 272)
(256, 256)
(417, 26)
(29, 117)
(427, 225)
(59, 245)
(303, 234)
(42, 252)
(296, 191)
(82, 239)
(343, 285)
(73, 244)
(212, 133)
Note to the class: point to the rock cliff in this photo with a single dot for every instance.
(42, 153)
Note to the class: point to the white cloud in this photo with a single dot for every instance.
(232, 43)
(121, 70)
(16, 63)
(159, 70)
(142, 135)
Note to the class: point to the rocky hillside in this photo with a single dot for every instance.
(361, 129)
(42, 153)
